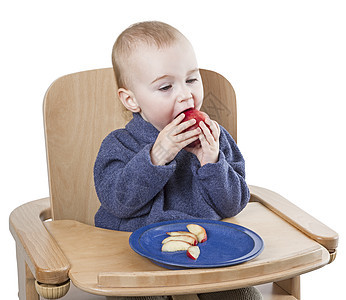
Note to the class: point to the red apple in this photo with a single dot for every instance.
(199, 116)
(199, 231)
(193, 252)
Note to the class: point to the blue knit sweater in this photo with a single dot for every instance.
(133, 192)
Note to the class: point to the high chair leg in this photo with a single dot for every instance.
(291, 286)
(26, 281)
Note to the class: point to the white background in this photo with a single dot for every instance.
(285, 59)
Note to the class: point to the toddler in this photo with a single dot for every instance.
(146, 172)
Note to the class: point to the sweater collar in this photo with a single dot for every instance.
(141, 129)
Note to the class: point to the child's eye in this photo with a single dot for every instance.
(165, 88)
(191, 80)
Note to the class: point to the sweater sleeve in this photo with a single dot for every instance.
(125, 180)
(222, 185)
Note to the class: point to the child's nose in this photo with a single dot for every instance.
(184, 94)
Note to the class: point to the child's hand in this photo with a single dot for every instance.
(172, 139)
(208, 151)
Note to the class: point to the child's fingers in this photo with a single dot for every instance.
(188, 134)
(216, 132)
(174, 127)
(182, 126)
(214, 127)
(189, 141)
(178, 119)
(204, 142)
(207, 133)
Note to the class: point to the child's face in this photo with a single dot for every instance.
(165, 82)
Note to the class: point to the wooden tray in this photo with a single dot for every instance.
(108, 265)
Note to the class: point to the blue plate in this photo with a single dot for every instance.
(227, 244)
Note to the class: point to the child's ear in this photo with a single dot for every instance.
(128, 99)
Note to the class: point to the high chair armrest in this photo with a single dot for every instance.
(296, 217)
(42, 254)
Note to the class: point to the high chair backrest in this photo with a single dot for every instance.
(79, 111)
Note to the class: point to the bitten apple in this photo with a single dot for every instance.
(173, 246)
(199, 231)
(193, 252)
(199, 116)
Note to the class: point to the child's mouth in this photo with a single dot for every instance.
(184, 111)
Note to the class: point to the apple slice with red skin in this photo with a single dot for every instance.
(173, 246)
(199, 116)
(199, 231)
(177, 233)
(193, 252)
(186, 238)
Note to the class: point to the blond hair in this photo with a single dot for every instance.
(151, 33)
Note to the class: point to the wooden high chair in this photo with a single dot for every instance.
(79, 111)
